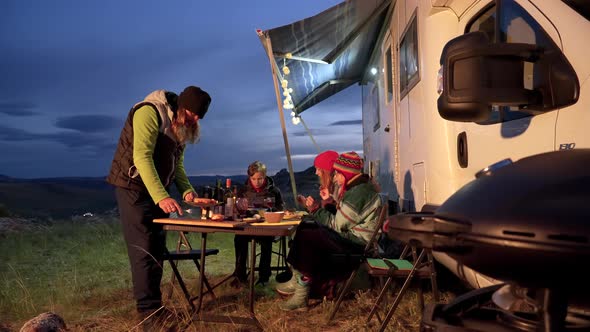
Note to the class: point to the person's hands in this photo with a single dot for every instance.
(170, 205)
(310, 204)
(190, 196)
(324, 193)
(301, 200)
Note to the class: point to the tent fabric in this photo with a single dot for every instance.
(330, 51)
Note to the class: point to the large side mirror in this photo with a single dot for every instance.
(477, 74)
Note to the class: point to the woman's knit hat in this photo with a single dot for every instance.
(349, 164)
(195, 100)
(325, 160)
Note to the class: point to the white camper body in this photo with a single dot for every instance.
(421, 159)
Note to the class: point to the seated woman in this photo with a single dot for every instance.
(324, 169)
(346, 232)
(258, 187)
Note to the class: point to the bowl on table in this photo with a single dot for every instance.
(274, 217)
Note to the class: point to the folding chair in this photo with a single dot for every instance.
(281, 265)
(184, 251)
(369, 251)
(422, 268)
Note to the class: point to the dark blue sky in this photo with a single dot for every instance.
(72, 69)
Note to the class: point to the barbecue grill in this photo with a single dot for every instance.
(526, 223)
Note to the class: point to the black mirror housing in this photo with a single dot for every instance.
(478, 74)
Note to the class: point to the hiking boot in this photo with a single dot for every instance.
(287, 288)
(299, 299)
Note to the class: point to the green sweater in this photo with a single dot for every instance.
(357, 213)
(145, 134)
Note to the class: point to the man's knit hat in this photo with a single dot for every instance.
(325, 160)
(195, 100)
(349, 164)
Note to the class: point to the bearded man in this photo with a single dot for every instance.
(148, 159)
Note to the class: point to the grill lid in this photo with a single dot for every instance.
(528, 219)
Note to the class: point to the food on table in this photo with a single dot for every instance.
(200, 200)
(217, 216)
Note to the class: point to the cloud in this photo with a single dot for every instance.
(18, 108)
(314, 132)
(16, 135)
(347, 123)
(75, 140)
(301, 156)
(88, 123)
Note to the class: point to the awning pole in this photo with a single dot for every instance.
(281, 114)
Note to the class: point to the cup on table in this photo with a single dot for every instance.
(270, 203)
(242, 206)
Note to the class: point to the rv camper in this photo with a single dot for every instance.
(450, 87)
(431, 124)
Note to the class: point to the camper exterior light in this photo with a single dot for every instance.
(373, 71)
(439, 81)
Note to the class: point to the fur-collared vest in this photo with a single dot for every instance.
(167, 151)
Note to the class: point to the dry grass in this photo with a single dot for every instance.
(80, 271)
(118, 312)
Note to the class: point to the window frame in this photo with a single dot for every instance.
(407, 84)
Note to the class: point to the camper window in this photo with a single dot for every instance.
(408, 50)
(485, 22)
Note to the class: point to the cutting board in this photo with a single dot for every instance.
(195, 222)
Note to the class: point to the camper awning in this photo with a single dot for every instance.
(328, 52)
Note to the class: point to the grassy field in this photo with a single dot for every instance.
(79, 269)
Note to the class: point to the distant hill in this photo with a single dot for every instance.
(69, 196)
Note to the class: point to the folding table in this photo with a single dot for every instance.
(205, 227)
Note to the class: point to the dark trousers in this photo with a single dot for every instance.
(321, 253)
(241, 250)
(146, 243)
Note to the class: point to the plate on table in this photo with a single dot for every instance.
(294, 215)
(202, 202)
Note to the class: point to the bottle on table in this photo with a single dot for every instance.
(229, 200)
(219, 196)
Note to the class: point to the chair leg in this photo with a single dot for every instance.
(433, 282)
(341, 295)
(283, 253)
(181, 283)
(398, 298)
(381, 294)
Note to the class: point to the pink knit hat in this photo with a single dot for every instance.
(325, 160)
(349, 164)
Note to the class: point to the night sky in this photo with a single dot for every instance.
(71, 70)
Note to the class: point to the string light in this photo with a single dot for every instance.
(288, 101)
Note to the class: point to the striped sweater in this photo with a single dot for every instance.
(357, 212)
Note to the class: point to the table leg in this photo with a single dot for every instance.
(252, 270)
(202, 270)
